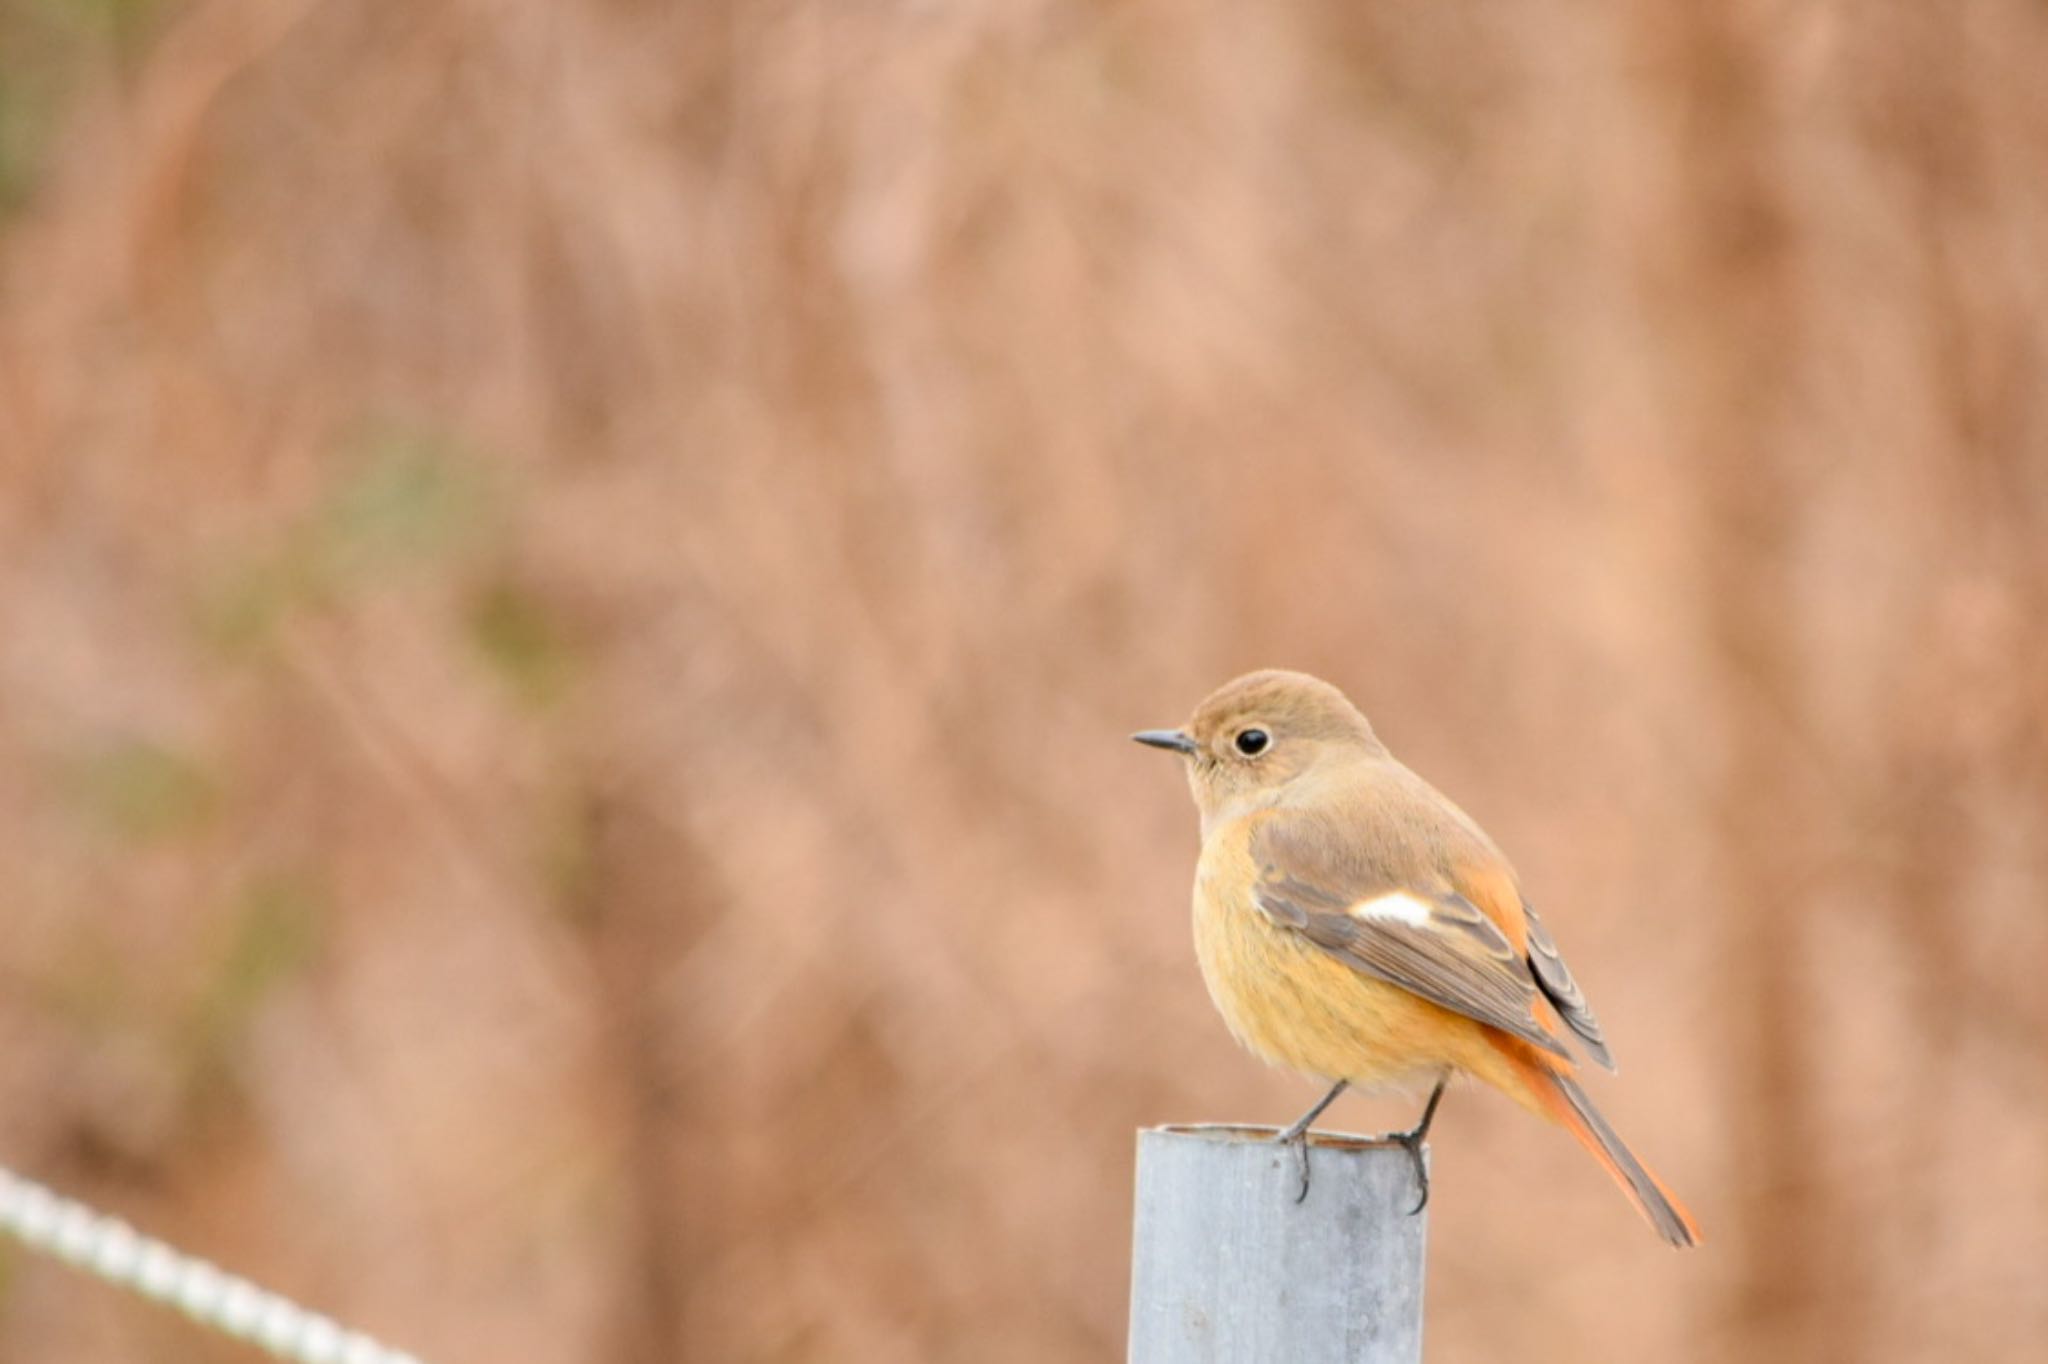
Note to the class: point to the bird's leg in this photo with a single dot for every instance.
(1297, 1135)
(1412, 1140)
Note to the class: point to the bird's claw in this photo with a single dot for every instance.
(1412, 1143)
(1299, 1142)
(1297, 1134)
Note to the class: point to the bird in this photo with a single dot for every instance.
(1354, 925)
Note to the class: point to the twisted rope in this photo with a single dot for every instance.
(117, 1253)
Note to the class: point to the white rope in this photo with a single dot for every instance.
(115, 1251)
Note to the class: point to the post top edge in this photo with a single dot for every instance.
(1249, 1134)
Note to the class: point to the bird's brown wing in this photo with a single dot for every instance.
(1485, 880)
(1431, 942)
(1557, 984)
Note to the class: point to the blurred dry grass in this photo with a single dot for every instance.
(573, 577)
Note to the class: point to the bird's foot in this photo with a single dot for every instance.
(1297, 1134)
(1297, 1137)
(1412, 1143)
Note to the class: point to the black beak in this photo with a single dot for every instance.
(1167, 738)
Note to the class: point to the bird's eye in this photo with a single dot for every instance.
(1252, 742)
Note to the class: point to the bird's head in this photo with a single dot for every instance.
(1258, 733)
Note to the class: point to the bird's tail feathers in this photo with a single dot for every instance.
(1560, 1095)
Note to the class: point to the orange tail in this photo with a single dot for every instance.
(1562, 1098)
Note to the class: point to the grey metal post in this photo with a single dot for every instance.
(1226, 1268)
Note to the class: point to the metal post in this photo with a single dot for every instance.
(1226, 1268)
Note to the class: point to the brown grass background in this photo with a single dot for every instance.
(573, 578)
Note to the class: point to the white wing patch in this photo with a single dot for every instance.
(1397, 905)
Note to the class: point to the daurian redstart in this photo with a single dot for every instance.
(1354, 925)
